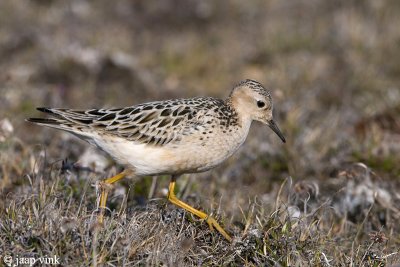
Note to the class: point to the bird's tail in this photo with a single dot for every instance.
(73, 121)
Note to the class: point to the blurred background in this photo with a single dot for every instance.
(333, 68)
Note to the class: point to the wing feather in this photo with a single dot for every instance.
(156, 123)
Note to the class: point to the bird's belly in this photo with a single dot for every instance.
(186, 157)
(143, 159)
(201, 158)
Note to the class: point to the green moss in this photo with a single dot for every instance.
(386, 164)
(276, 165)
(26, 107)
(142, 188)
(287, 43)
(191, 64)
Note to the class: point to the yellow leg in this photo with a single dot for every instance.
(210, 220)
(105, 188)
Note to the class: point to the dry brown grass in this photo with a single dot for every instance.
(50, 210)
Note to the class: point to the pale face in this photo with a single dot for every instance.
(253, 101)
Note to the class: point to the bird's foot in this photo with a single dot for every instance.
(212, 223)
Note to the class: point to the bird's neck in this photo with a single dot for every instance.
(242, 116)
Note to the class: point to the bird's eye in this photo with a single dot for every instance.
(260, 104)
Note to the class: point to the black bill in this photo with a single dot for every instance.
(275, 128)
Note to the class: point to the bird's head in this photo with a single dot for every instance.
(253, 101)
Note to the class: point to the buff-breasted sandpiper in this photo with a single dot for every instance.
(171, 137)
